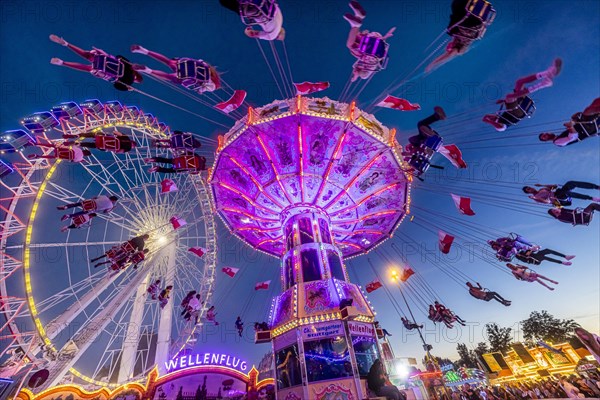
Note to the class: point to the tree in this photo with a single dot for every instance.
(481, 349)
(544, 326)
(467, 357)
(498, 337)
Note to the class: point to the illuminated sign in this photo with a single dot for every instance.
(358, 328)
(322, 330)
(216, 359)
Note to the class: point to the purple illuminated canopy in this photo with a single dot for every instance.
(310, 152)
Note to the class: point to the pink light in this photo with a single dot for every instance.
(253, 228)
(301, 162)
(333, 158)
(369, 231)
(251, 216)
(354, 221)
(257, 183)
(246, 198)
(377, 193)
(355, 178)
(351, 245)
(274, 169)
(266, 241)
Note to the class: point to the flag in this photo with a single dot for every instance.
(262, 285)
(230, 271)
(396, 103)
(177, 222)
(199, 251)
(463, 204)
(406, 273)
(310, 87)
(453, 154)
(374, 285)
(233, 103)
(445, 241)
(168, 185)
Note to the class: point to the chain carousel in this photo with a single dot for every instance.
(313, 182)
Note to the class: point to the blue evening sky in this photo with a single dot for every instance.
(525, 38)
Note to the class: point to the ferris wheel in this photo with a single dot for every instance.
(64, 315)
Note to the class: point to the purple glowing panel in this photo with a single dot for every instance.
(310, 152)
(285, 308)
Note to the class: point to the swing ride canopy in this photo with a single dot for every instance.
(318, 153)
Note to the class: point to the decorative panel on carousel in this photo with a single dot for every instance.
(318, 297)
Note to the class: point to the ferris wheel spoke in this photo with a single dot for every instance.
(109, 177)
(130, 344)
(89, 331)
(73, 290)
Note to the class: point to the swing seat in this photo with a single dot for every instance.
(109, 143)
(113, 253)
(257, 12)
(579, 217)
(107, 67)
(182, 141)
(189, 162)
(373, 53)
(583, 127)
(138, 257)
(65, 153)
(40, 122)
(433, 142)
(194, 74)
(81, 220)
(16, 141)
(479, 15)
(127, 248)
(420, 163)
(511, 116)
(88, 205)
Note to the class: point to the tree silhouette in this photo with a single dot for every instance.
(541, 325)
(499, 338)
(467, 357)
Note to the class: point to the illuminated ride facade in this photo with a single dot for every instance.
(313, 182)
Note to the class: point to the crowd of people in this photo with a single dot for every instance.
(586, 385)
